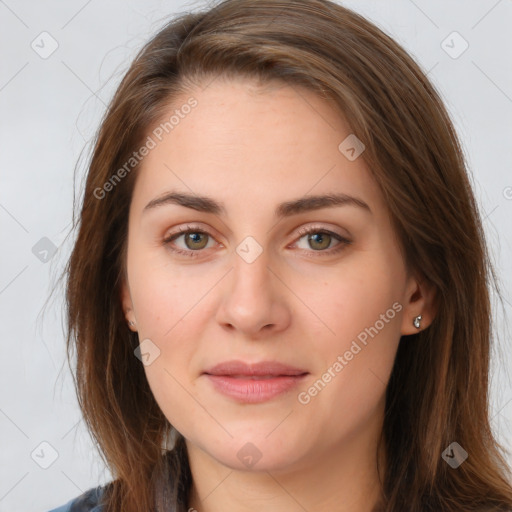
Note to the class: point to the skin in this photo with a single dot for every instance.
(252, 149)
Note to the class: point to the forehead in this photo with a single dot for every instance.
(251, 145)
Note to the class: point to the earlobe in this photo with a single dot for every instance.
(419, 305)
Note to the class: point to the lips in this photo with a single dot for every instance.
(253, 383)
(264, 369)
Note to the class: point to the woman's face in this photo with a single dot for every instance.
(255, 287)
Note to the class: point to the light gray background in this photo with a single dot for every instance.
(51, 107)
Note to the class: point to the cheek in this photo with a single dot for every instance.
(361, 317)
(173, 392)
(355, 364)
(171, 374)
(169, 312)
(163, 296)
(352, 298)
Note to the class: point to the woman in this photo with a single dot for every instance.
(279, 292)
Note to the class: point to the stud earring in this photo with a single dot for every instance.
(416, 321)
(131, 323)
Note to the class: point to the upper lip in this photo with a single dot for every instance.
(263, 368)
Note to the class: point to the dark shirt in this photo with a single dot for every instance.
(86, 502)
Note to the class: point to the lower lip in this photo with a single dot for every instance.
(252, 391)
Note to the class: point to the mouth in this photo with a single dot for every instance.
(236, 368)
(254, 383)
(255, 377)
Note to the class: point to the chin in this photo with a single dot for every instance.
(255, 453)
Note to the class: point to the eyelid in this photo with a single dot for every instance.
(313, 228)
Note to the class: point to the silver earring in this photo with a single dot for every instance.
(416, 321)
(131, 323)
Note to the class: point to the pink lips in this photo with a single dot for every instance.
(254, 383)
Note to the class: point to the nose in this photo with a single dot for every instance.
(254, 299)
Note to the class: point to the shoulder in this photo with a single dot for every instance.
(86, 502)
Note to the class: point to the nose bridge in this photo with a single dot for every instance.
(252, 300)
(250, 273)
(251, 279)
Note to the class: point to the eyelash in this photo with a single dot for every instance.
(302, 232)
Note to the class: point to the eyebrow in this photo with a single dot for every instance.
(286, 209)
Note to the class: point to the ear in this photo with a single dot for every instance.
(126, 301)
(420, 299)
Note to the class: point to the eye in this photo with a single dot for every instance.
(320, 239)
(196, 239)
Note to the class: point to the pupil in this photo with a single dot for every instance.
(195, 237)
(317, 238)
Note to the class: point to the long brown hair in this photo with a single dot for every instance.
(438, 390)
